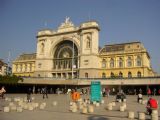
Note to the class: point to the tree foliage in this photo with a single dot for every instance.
(7, 79)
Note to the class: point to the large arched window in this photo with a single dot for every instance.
(129, 74)
(139, 61)
(111, 63)
(103, 63)
(138, 74)
(120, 62)
(120, 74)
(129, 62)
(103, 75)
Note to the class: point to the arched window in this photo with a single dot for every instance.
(25, 67)
(139, 61)
(103, 63)
(88, 42)
(120, 74)
(138, 74)
(112, 75)
(42, 47)
(129, 74)
(120, 62)
(86, 75)
(129, 62)
(111, 63)
(103, 75)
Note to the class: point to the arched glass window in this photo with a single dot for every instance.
(112, 75)
(129, 74)
(138, 74)
(25, 67)
(103, 63)
(111, 63)
(139, 61)
(120, 62)
(120, 74)
(103, 75)
(86, 75)
(129, 62)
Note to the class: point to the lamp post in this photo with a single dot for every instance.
(72, 56)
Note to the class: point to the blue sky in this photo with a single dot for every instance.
(120, 21)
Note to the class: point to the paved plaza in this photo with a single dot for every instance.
(61, 110)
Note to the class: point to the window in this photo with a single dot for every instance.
(138, 74)
(16, 68)
(139, 63)
(103, 75)
(42, 47)
(39, 65)
(120, 74)
(25, 67)
(129, 74)
(129, 62)
(120, 62)
(30, 67)
(86, 75)
(21, 68)
(112, 75)
(103, 63)
(111, 63)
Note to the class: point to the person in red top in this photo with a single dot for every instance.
(152, 104)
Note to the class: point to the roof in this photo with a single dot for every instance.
(25, 56)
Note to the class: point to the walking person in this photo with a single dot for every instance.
(149, 92)
(2, 92)
(45, 92)
(29, 92)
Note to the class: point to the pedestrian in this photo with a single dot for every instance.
(154, 91)
(151, 105)
(2, 92)
(149, 92)
(29, 92)
(45, 92)
(139, 97)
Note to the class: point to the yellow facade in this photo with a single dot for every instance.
(125, 60)
(24, 65)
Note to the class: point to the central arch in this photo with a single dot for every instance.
(65, 60)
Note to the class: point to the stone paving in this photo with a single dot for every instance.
(61, 110)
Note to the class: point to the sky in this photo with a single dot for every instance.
(120, 21)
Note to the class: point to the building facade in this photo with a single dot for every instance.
(73, 52)
(3, 68)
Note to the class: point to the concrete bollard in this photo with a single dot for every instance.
(6, 109)
(19, 109)
(11, 104)
(54, 103)
(109, 106)
(97, 104)
(84, 110)
(124, 105)
(42, 106)
(131, 115)
(121, 108)
(154, 115)
(30, 107)
(74, 109)
(102, 101)
(94, 102)
(90, 109)
(119, 100)
(141, 116)
(113, 104)
(13, 108)
(140, 101)
(124, 100)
